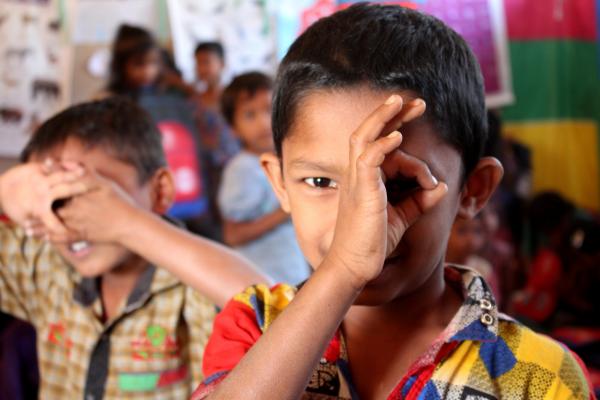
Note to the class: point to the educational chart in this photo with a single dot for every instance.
(480, 22)
(34, 68)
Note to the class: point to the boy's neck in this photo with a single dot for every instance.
(117, 284)
(433, 304)
(384, 341)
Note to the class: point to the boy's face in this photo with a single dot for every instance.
(95, 259)
(252, 121)
(209, 67)
(317, 147)
(143, 70)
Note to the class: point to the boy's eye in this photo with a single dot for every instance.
(321, 182)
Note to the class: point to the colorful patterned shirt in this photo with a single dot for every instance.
(482, 354)
(145, 352)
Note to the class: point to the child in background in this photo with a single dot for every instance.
(109, 323)
(381, 316)
(254, 222)
(210, 63)
(197, 140)
(550, 218)
(136, 63)
(467, 239)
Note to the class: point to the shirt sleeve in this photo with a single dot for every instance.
(241, 193)
(237, 328)
(21, 283)
(199, 313)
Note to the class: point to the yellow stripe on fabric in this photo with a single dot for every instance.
(564, 157)
(457, 368)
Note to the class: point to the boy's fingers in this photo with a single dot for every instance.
(48, 166)
(59, 177)
(33, 227)
(52, 223)
(413, 207)
(71, 165)
(64, 190)
(402, 163)
(375, 152)
(372, 127)
(410, 111)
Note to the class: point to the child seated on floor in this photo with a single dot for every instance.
(105, 292)
(254, 222)
(381, 316)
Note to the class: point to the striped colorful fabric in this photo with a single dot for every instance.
(482, 354)
(555, 69)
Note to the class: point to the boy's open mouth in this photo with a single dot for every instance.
(80, 248)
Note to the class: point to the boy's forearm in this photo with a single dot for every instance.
(239, 233)
(290, 349)
(214, 270)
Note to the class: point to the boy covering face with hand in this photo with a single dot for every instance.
(379, 123)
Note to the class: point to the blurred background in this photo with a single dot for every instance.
(538, 242)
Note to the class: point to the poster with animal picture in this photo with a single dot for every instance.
(34, 68)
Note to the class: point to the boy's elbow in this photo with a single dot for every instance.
(231, 234)
(230, 238)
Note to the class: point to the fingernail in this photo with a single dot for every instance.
(434, 179)
(394, 134)
(418, 102)
(392, 99)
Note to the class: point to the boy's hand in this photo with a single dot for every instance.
(101, 213)
(28, 192)
(369, 228)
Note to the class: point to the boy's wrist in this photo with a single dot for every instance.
(344, 272)
(129, 224)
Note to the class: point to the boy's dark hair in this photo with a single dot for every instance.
(211, 47)
(117, 124)
(388, 48)
(130, 42)
(248, 84)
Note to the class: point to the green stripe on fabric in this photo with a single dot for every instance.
(138, 382)
(554, 80)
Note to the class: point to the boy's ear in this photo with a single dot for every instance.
(163, 191)
(271, 164)
(480, 186)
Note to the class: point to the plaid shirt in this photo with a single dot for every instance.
(143, 353)
(482, 354)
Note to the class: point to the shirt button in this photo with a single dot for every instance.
(487, 319)
(485, 304)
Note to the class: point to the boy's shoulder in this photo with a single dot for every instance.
(521, 357)
(528, 346)
(262, 303)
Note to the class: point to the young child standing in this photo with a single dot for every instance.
(110, 323)
(210, 64)
(254, 222)
(381, 317)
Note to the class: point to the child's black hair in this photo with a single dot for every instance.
(118, 124)
(211, 47)
(388, 48)
(130, 42)
(248, 83)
